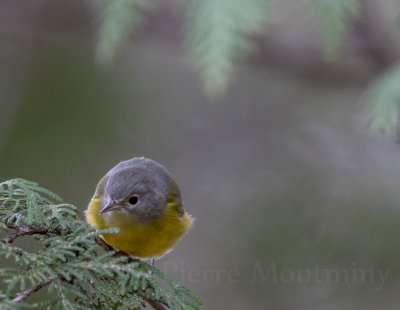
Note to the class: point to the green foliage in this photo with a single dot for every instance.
(217, 36)
(27, 203)
(384, 101)
(119, 19)
(218, 31)
(67, 261)
(332, 16)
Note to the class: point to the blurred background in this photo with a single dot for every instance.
(296, 200)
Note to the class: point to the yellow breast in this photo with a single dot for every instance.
(138, 239)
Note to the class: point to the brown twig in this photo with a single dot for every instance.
(24, 294)
(100, 241)
(24, 230)
(155, 304)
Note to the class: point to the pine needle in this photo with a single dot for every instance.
(68, 260)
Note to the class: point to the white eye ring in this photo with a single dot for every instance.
(133, 199)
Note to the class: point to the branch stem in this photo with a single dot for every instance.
(155, 304)
(25, 230)
(24, 294)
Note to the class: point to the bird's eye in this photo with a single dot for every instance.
(134, 200)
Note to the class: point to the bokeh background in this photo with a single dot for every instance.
(297, 202)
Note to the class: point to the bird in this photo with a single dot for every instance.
(140, 198)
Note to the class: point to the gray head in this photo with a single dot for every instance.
(140, 188)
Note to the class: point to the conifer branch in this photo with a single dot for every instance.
(24, 294)
(155, 304)
(28, 230)
(25, 230)
(69, 261)
(103, 244)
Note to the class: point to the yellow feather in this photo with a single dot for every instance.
(144, 240)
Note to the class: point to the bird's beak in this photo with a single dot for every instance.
(112, 205)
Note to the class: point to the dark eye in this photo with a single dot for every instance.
(134, 200)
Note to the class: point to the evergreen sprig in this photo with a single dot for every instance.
(218, 35)
(119, 18)
(68, 262)
(384, 101)
(218, 32)
(332, 18)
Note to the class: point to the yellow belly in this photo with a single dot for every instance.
(138, 239)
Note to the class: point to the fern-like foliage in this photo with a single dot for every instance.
(332, 17)
(120, 18)
(217, 36)
(68, 263)
(218, 31)
(384, 101)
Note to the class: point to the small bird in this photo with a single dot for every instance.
(139, 197)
